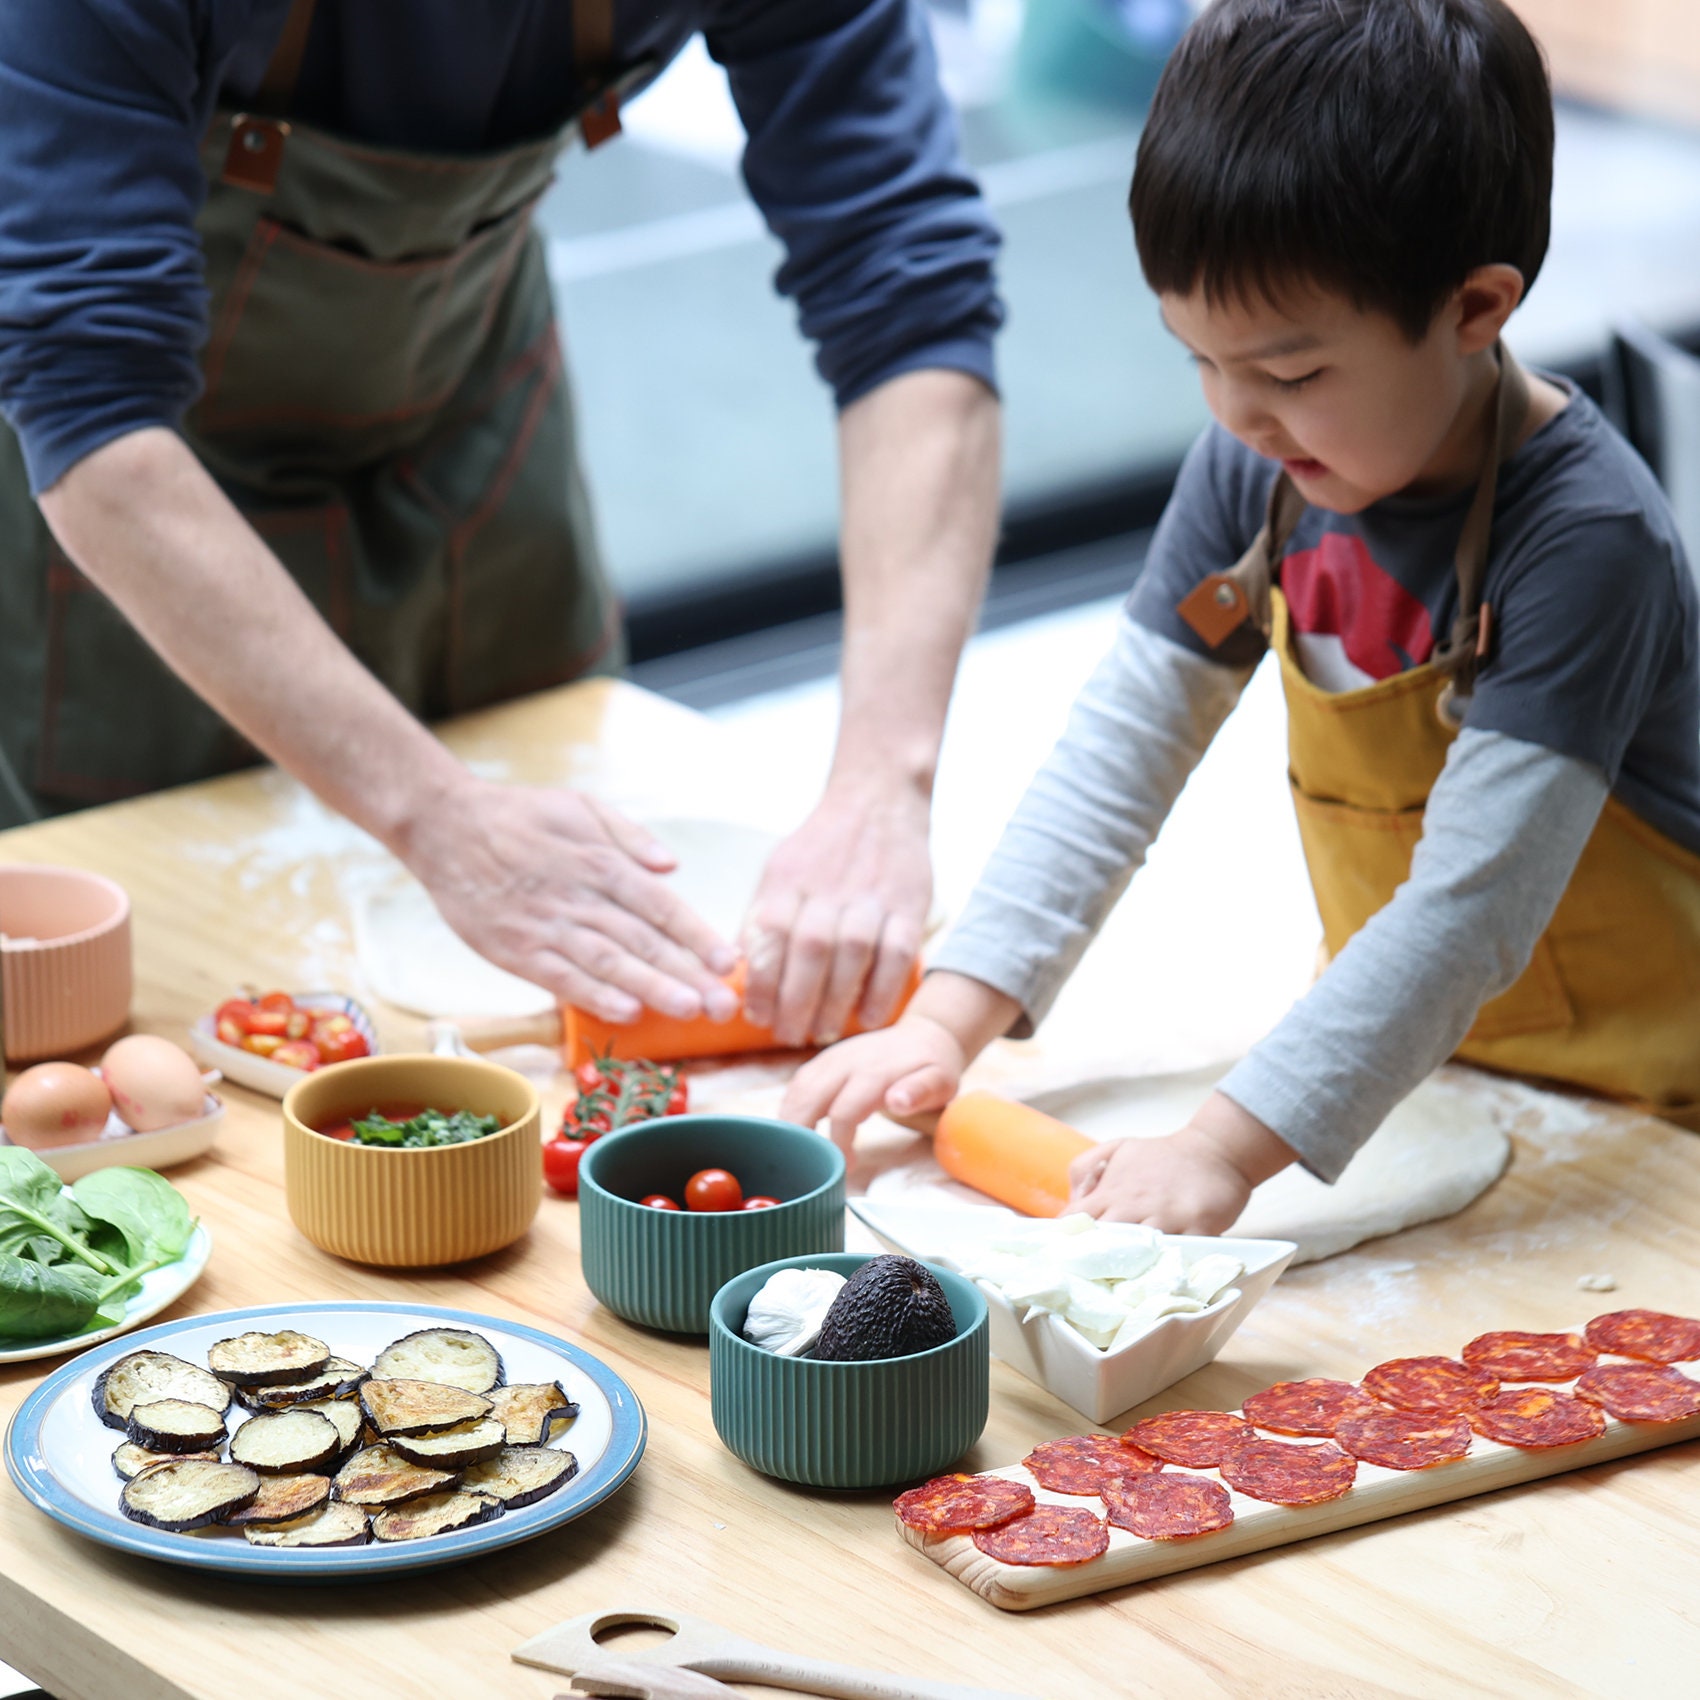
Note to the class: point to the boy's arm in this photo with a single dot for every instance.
(1504, 827)
(1082, 830)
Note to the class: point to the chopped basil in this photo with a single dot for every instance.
(429, 1127)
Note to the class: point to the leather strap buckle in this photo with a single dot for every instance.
(600, 121)
(1214, 608)
(255, 155)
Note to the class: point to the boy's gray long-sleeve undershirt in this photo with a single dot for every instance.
(1504, 827)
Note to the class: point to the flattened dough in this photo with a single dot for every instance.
(411, 958)
(1439, 1151)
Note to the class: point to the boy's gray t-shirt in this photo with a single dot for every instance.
(1595, 614)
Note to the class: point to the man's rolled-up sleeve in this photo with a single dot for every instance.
(102, 303)
(854, 159)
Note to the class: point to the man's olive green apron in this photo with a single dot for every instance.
(384, 400)
(1610, 1000)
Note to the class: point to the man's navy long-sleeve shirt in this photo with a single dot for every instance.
(852, 157)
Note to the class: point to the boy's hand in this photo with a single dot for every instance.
(912, 1067)
(1196, 1181)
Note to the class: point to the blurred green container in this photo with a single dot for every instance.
(1091, 49)
(662, 1268)
(848, 1425)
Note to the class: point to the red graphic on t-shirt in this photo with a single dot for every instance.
(1338, 590)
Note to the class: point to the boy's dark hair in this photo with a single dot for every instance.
(1379, 148)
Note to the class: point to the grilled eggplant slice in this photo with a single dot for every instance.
(187, 1493)
(529, 1409)
(521, 1475)
(130, 1459)
(263, 1360)
(140, 1378)
(453, 1448)
(332, 1525)
(337, 1380)
(418, 1407)
(286, 1443)
(454, 1356)
(379, 1475)
(344, 1413)
(281, 1499)
(176, 1425)
(435, 1514)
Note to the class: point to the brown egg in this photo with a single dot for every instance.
(55, 1103)
(153, 1082)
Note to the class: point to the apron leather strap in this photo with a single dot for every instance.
(593, 55)
(255, 155)
(277, 87)
(1223, 602)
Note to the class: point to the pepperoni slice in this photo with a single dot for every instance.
(1648, 1334)
(1284, 1474)
(1169, 1507)
(1513, 1356)
(1404, 1440)
(1048, 1534)
(1536, 1416)
(1305, 1407)
(952, 1505)
(1442, 1387)
(1194, 1438)
(1641, 1393)
(1084, 1463)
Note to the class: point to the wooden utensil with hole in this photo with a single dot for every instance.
(621, 1679)
(704, 1647)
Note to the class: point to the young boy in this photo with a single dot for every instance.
(1486, 628)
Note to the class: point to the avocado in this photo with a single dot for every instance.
(891, 1307)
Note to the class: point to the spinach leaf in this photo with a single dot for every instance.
(39, 1220)
(428, 1128)
(41, 1303)
(149, 1213)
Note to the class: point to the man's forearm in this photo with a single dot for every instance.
(149, 527)
(919, 466)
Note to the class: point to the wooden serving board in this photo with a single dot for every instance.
(1376, 1493)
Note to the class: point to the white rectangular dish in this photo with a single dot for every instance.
(1099, 1384)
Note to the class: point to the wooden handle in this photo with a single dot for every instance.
(845, 1682)
(497, 1032)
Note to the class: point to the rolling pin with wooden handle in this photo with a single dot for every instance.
(702, 1646)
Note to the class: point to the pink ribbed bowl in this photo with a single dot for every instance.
(412, 1209)
(64, 960)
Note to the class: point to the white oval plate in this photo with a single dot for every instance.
(261, 1074)
(158, 1289)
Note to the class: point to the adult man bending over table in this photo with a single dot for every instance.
(277, 346)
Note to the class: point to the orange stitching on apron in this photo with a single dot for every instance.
(549, 378)
(259, 244)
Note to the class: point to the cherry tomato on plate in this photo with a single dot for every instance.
(560, 1164)
(268, 1024)
(233, 1020)
(713, 1189)
(262, 1044)
(760, 1201)
(659, 1201)
(338, 1039)
(298, 1053)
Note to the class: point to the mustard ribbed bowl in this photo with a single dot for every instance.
(410, 1209)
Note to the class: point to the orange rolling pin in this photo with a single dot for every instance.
(1017, 1155)
(654, 1037)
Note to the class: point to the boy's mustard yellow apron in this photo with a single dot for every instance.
(383, 398)
(1610, 1001)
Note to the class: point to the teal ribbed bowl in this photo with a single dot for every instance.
(848, 1425)
(662, 1267)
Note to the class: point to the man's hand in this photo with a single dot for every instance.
(1196, 1181)
(907, 1069)
(566, 893)
(836, 924)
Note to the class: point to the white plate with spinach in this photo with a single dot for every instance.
(81, 1263)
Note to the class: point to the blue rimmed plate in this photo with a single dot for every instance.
(60, 1453)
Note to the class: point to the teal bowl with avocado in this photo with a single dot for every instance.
(662, 1268)
(867, 1424)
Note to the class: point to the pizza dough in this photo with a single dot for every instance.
(1439, 1150)
(411, 958)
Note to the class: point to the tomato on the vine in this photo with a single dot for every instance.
(713, 1189)
(658, 1201)
(760, 1201)
(560, 1164)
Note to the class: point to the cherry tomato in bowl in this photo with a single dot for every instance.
(560, 1164)
(759, 1201)
(658, 1201)
(714, 1189)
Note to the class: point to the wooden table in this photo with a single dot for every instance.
(1580, 1585)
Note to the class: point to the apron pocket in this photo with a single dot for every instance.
(1358, 858)
(315, 339)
